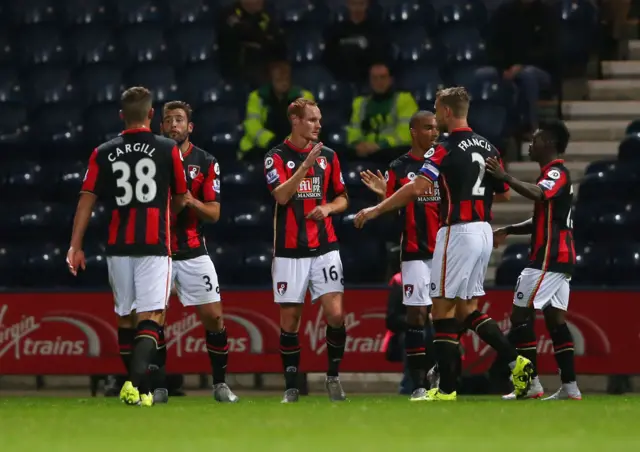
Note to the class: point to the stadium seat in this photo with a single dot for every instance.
(159, 78)
(195, 44)
(50, 86)
(45, 263)
(629, 149)
(242, 181)
(305, 46)
(633, 128)
(59, 123)
(29, 12)
(197, 81)
(409, 12)
(312, 75)
(578, 31)
(10, 89)
(489, 120)
(102, 122)
(413, 46)
(601, 166)
(35, 217)
(298, 14)
(363, 262)
(257, 262)
(23, 180)
(625, 260)
(596, 186)
(7, 55)
(251, 219)
(423, 82)
(217, 128)
(509, 269)
(138, 11)
(99, 83)
(11, 264)
(621, 224)
(187, 12)
(351, 173)
(519, 250)
(460, 13)
(143, 43)
(42, 44)
(464, 51)
(86, 11)
(13, 123)
(93, 44)
(228, 260)
(593, 266)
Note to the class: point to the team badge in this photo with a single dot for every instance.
(554, 174)
(216, 168)
(268, 162)
(291, 165)
(281, 287)
(194, 170)
(408, 290)
(386, 176)
(322, 162)
(411, 176)
(430, 153)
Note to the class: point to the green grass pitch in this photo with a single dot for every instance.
(364, 423)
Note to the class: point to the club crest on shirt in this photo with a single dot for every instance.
(194, 170)
(322, 162)
(281, 287)
(408, 290)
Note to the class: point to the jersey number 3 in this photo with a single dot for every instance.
(145, 186)
(478, 189)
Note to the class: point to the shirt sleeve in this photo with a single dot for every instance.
(554, 180)
(92, 182)
(337, 180)
(211, 185)
(391, 178)
(432, 162)
(274, 171)
(179, 179)
(501, 187)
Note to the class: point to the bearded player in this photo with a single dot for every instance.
(194, 275)
(421, 223)
(544, 284)
(306, 183)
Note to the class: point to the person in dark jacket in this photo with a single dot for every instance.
(354, 44)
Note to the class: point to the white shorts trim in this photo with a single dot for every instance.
(293, 276)
(139, 283)
(416, 276)
(460, 260)
(196, 281)
(537, 289)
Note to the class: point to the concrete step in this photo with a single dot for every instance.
(529, 171)
(623, 110)
(511, 212)
(518, 198)
(586, 150)
(596, 130)
(634, 49)
(621, 69)
(614, 89)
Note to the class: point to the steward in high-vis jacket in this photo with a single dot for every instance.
(380, 120)
(266, 122)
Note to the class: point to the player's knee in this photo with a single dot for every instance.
(290, 315)
(416, 315)
(211, 316)
(521, 315)
(443, 309)
(127, 321)
(154, 316)
(553, 317)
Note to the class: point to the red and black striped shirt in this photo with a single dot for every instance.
(552, 246)
(467, 190)
(203, 180)
(135, 175)
(295, 235)
(420, 218)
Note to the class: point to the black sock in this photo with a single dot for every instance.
(290, 354)
(126, 337)
(144, 353)
(489, 331)
(218, 349)
(414, 347)
(447, 353)
(523, 337)
(563, 348)
(336, 339)
(429, 353)
(157, 369)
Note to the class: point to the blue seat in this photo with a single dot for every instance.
(36, 217)
(100, 83)
(7, 55)
(143, 43)
(299, 13)
(12, 258)
(251, 219)
(68, 176)
(509, 269)
(412, 45)
(351, 174)
(10, 89)
(601, 166)
(312, 75)
(333, 96)
(633, 128)
(198, 80)
(257, 262)
(363, 263)
(228, 260)
(195, 43)
(187, 12)
(423, 82)
(46, 266)
(305, 47)
(159, 78)
(621, 224)
(460, 13)
(578, 30)
(138, 11)
(59, 123)
(597, 186)
(489, 120)
(408, 12)
(593, 266)
(94, 43)
(625, 260)
(29, 12)
(242, 180)
(13, 122)
(217, 127)
(42, 44)
(586, 219)
(629, 148)
(24, 180)
(520, 250)
(50, 86)
(463, 46)
(87, 11)
(102, 122)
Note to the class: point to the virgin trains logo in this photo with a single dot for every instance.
(56, 333)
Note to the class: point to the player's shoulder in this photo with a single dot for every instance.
(327, 151)
(278, 149)
(203, 155)
(556, 170)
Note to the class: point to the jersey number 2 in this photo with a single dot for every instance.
(145, 187)
(478, 189)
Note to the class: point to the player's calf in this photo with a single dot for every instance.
(126, 339)
(446, 348)
(145, 350)
(416, 349)
(564, 353)
(336, 338)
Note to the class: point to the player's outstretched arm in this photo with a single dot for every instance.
(529, 191)
(283, 192)
(399, 199)
(501, 234)
(75, 255)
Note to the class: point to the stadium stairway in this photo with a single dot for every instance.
(597, 125)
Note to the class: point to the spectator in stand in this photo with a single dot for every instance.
(354, 44)
(380, 121)
(523, 46)
(249, 39)
(267, 121)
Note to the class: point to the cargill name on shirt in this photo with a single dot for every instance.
(128, 148)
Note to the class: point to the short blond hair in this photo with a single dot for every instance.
(297, 107)
(136, 103)
(456, 98)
